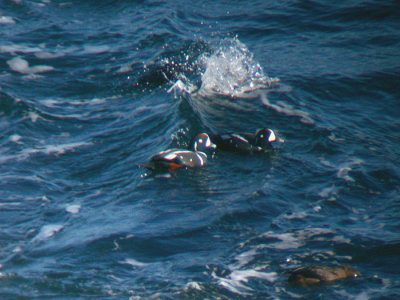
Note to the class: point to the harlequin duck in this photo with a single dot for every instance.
(321, 274)
(178, 158)
(245, 142)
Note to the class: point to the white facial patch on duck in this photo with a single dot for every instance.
(272, 137)
(195, 144)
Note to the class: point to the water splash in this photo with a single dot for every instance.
(232, 71)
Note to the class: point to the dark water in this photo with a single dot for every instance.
(87, 93)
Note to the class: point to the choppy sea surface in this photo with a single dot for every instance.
(90, 90)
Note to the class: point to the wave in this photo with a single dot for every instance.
(12, 107)
(232, 71)
(229, 69)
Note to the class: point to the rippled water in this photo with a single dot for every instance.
(89, 90)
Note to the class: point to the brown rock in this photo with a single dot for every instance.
(321, 274)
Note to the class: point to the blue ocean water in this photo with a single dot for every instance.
(89, 90)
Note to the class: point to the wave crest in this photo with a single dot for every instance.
(232, 71)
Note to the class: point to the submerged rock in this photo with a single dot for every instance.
(321, 274)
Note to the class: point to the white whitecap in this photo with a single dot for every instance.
(193, 285)
(236, 281)
(6, 20)
(17, 249)
(295, 215)
(6, 204)
(286, 109)
(41, 69)
(73, 208)
(88, 49)
(33, 116)
(182, 85)
(328, 191)
(133, 262)
(48, 55)
(244, 258)
(20, 65)
(231, 70)
(287, 241)
(54, 149)
(47, 231)
(345, 168)
(15, 138)
(125, 69)
(343, 174)
(18, 48)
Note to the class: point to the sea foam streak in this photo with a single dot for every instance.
(20, 65)
(236, 281)
(47, 231)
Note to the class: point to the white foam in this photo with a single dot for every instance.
(20, 65)
(237, 279)
(33, 116)
(183, 84)
(295, 215)
(17, 249)
(62, 102)
(134, 262)
(6, 20)
(244, 258)
(294, 240)
(345, 168)
(41, 69)
(125, 69)
(47, 231)
(54, 149)
(282, 107)
(15, 48)
(287, 241)
(328, 191)
(88, 49)
(343, 174)
(10, 203)
(48, 55)
(73, 208)
(232, 71)
(193, 286)
(33, 77)
(15, 138)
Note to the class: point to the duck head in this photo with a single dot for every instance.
(203, 143)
